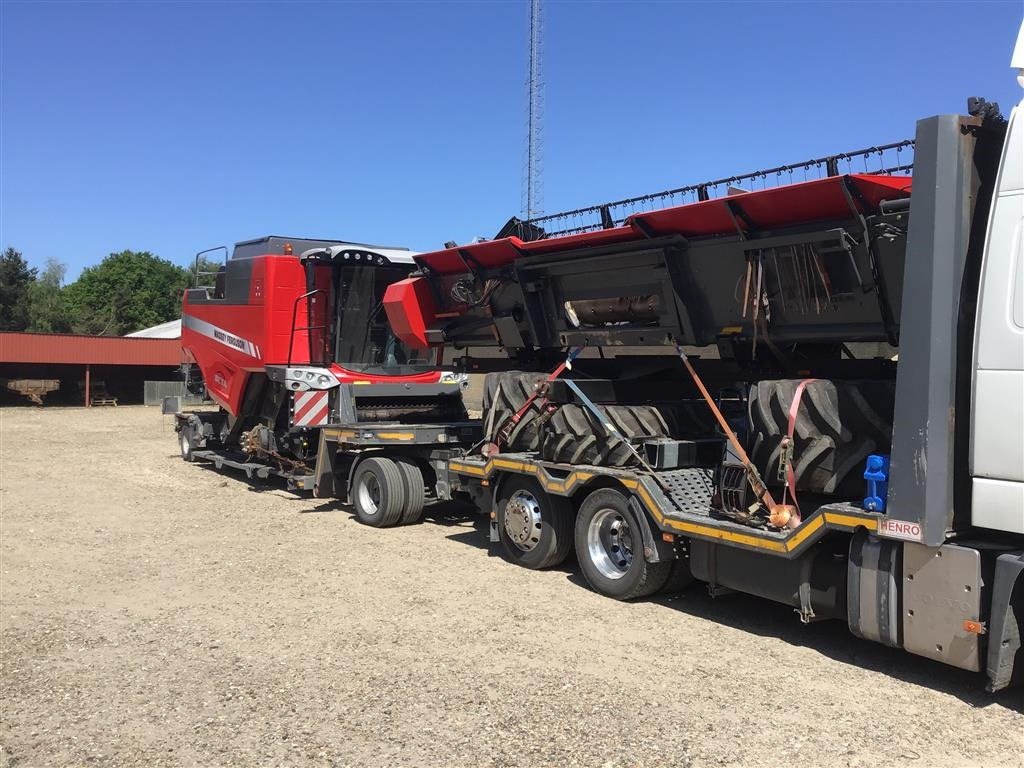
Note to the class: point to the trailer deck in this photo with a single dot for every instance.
(675, 513)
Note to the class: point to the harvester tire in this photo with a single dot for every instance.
(415, 497)
(504, 394)
(573, 435)
(378, 492)
(535, 528)
(610, 548)
(839, 424)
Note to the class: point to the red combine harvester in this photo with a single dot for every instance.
(285, 345)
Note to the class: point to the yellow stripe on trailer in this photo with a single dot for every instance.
(808, 530)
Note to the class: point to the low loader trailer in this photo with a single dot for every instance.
(812, 392)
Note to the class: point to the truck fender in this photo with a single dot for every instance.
(1006, 621)
(655, 550)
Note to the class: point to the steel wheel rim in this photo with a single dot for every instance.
(184, 443)
(369, 493)
(610, 543)
(523, 522)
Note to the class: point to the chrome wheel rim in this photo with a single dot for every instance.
(610, 543)
(184, 443)
(369, 493)
(523, 521)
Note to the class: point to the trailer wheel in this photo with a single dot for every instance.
(535, 528)
(412, 476)
(187, 442)
(378, 492)
(609, 547)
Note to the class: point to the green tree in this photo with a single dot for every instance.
(207, 270)
(125, 292)
(15, 278)
(47, 310)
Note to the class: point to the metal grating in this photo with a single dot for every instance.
(689, 490)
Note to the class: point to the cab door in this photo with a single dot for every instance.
(997, 411)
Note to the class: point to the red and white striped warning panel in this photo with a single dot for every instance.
(309, 409)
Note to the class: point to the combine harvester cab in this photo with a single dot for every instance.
(287, 345)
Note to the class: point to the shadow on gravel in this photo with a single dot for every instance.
(833, 639)
(744, 612)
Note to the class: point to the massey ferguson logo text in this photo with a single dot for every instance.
(232, 341)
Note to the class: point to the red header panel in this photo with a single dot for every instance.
(818, 200)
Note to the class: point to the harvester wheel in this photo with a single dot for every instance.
(535, 528)
(610, 548)
(415, 497)
(378, 492)
(839, 424)
(573, 435)
(504, 395)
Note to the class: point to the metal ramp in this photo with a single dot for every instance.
(256, 470)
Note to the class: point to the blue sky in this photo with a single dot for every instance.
(173, 127)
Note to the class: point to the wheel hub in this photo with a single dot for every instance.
(523, 520)
(369, 493)
(610, 543)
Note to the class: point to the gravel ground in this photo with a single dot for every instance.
(156, 612)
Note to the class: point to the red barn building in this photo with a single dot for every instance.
(88, 367)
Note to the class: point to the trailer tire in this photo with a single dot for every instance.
(504, 394)
(839, 424)
(415, 497)
(573, 435)
(609, 547)
(535, 528)
(378, 492)
(187, 441)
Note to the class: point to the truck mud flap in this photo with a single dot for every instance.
(1005, 664)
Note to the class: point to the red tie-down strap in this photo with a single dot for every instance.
(786, 454)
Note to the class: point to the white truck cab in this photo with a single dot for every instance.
(997, 418)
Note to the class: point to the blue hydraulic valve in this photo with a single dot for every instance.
(876, 472)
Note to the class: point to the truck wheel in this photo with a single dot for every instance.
(610, 549)
(412, 476)
(680, 578)
(378, 492)
(187, 442)
(535, 528)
